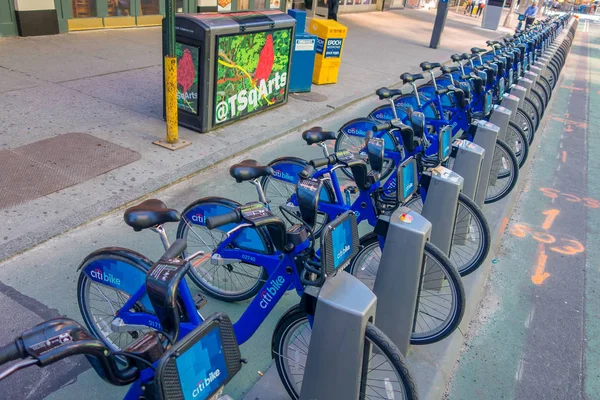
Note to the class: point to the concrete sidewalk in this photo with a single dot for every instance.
(108, 84)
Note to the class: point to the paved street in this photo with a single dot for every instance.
(536, 334)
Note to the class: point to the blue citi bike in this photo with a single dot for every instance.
(116, 305)
(438, 312)
(176, 361)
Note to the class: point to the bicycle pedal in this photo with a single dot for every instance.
(200, 301)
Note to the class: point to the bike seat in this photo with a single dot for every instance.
(248, 170)
(427, 66)
(448, 70)
(456, 57)
(385, 93)
(492, 42)
(317, 135)
(150, 213)
(476, 50)
(410, 78)
(465, 56)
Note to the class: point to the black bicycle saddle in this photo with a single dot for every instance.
(317, 135)
(385, 93)
(427, 66)
(248, 170)
(150, 213)
(476, 50)
(410, 78)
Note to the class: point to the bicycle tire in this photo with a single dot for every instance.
(294, 317)
(543, 86)
(513, 173)
(525, 122)
(426, 308)
(91, 318)
(467, 212)
(540, 97)
(518, 142)
(388, 164)
(207, 242)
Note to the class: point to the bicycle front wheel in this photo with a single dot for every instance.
(356, 144)
(384, 367)
(99, 303)
(516, 139)
(235, 281)
(524, 120)
(471, 239)
(441, 301)
(505, 167)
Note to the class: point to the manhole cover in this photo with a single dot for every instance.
(313, 97)
(49, 165)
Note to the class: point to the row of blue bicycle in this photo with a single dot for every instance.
(144, 327)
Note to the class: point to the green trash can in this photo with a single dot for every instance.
(230, 66)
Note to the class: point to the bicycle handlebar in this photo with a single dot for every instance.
(216, 221)
(54, 340)
(10, 352)
(382, 127)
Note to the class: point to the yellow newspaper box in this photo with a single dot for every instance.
(330, 42)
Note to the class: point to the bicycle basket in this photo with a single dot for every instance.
(521, 17)
(339, 243)
(201, 363)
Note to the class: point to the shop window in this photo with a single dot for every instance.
(84, 8)
(151, 7)
(118, 8)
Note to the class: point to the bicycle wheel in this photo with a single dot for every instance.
(99, 303)
(471, 239)
(356, 144)
(507, 167)
(524, 120)
(540, 97)
(386, 369)
(441, 301)
(279, 193)
(534, 107)
(232, 282)
(516, 139)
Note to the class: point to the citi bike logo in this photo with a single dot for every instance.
(104, 277)
(198, 217)
(408, 187)
(356, 132)
(267, 295)
(283, 175)
(343, 251)
(204, 383)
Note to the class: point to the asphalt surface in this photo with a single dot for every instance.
(535, 335)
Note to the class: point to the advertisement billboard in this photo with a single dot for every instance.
(251, 73)
(187, 77)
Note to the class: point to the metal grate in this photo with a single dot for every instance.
(47, 166)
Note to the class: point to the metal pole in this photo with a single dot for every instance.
(170, 62)
(438, 25)
(171, 76)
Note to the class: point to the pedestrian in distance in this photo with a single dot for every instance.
(469, 6)
(481, 7)
(531, 13)
(332, 9)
